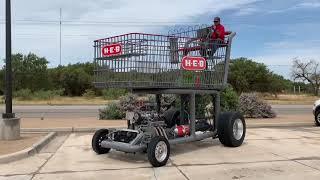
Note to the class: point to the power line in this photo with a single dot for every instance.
(60, 33)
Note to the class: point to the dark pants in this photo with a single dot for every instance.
(210, 47)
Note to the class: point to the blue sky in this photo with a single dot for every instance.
(269, 31)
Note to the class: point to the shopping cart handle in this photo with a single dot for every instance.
(231, 35)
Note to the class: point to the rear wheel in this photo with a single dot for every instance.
(97, 138)
(158, 151)
(231, 129)
(317, 118)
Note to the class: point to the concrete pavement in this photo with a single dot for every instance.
(287, 153)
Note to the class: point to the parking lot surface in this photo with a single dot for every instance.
(268, 153)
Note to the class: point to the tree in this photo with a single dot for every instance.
(74, 79)
(29, 72)
(278, 84)
(246, 75)
(309, 71)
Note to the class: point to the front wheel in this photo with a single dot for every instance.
(317, 118)
(158, 151)
(231, 129)
(98, 137)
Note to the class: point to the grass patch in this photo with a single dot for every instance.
(62, 100)
(110, 94)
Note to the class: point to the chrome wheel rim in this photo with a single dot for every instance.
(237, 129)
(161, 151)
(102, 138)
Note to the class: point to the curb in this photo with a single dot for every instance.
(280, 125)
(35, 148)
(27, 130)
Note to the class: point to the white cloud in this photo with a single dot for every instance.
(283, 52)
(279, 55)
(246, 11)
(311, 4)
(44, 39)
(314, 4)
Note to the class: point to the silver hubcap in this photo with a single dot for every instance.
(318, 117)
(237, 129)
(100, 140)
(161, 151)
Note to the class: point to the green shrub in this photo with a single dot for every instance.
(112, 94)
(111, 111)
(58, 92)
(89, 93)
(229, 100)
(47, 95)
(23, 94)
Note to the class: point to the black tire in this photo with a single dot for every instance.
(317, 118)
(99, 136)
(151, 151)
(225, 129)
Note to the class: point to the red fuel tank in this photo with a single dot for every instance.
(182, 130)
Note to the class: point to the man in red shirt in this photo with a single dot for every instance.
(218, 35)
(216, 39)
(218, 30)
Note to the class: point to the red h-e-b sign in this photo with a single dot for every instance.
(193, 63)
(111, 50)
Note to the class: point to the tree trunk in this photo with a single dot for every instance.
(316, 91)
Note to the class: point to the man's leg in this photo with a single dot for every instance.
(215, 45)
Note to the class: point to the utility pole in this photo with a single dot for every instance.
(60, 34)
(9, 125)
(8, 74)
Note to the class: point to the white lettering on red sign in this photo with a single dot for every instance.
(111, 50)
(193, 63)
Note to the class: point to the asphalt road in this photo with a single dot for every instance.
(92, 111)
(292, 109)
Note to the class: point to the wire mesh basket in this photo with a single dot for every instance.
(184, 59)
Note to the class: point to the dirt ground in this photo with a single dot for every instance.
(70, 122)
(27, 140)
(300, 99)
(280, 99)
(62, 101)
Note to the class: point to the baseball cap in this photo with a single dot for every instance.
(216, 19)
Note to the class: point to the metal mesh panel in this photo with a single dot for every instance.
(154, 61)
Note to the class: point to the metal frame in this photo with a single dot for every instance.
(135, 145)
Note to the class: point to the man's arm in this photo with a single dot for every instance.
(220, 33)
